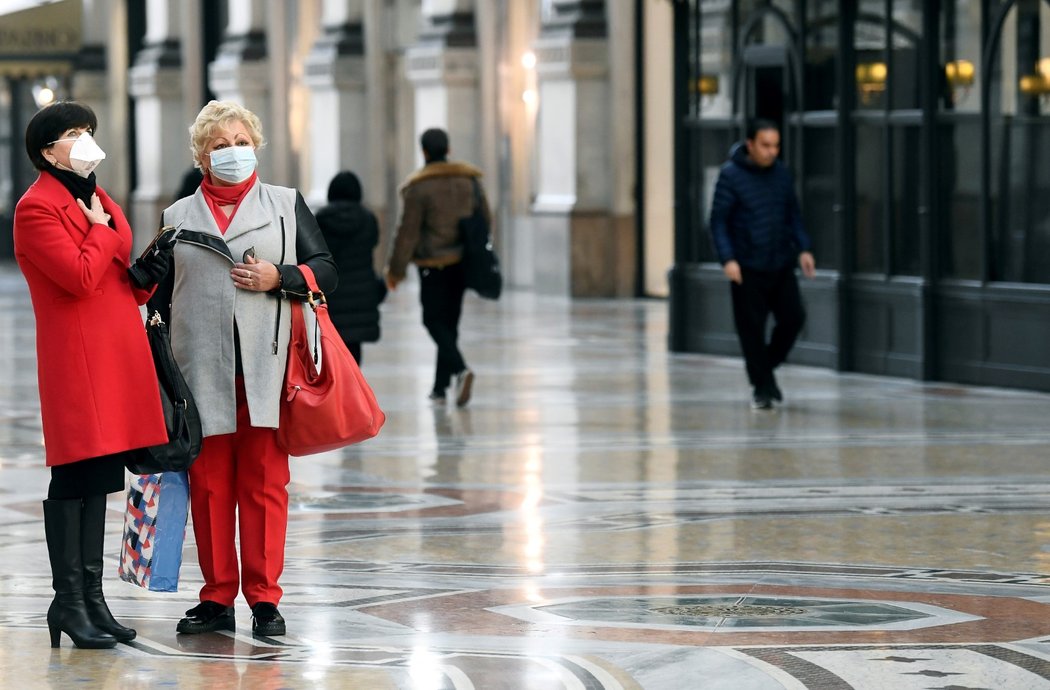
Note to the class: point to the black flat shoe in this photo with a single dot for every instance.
(206, 617)
(267, 620)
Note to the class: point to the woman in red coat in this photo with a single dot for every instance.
(98, 387)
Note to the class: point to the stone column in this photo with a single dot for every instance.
(444, 71)
(160, 130)
(104, 90)
(577, 142)
(335, 73)
(241, 73)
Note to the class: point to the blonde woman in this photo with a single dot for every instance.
(235, 278)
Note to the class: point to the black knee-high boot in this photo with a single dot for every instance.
(92, 543)
(68, 613)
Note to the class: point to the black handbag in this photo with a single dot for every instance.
(180, 412)
(480, 263)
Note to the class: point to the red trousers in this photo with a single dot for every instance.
(245, 475)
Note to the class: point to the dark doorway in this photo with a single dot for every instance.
(766, 74)
(768, 97)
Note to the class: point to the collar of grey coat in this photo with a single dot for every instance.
(203, 239)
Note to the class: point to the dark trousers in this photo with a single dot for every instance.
(441, 295)
(354, 346)
(92, 477)
(760, 295)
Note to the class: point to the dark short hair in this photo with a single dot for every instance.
(344, 187)
(758, 124)
(50, 123)
(435, 144)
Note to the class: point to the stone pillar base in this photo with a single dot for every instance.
(583, 254)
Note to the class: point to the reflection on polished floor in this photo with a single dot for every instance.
(604, 515)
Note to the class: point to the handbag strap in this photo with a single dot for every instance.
(311, 284)
(311, 280)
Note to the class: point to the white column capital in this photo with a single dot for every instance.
(435, 64)
(232, 76)
(324, 67)
(565, 57)
(152, 79)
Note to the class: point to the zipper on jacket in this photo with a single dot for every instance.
(277, 321)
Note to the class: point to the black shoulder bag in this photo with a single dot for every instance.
(480, 262)
(180, 412)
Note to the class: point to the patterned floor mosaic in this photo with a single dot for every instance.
(605, 515)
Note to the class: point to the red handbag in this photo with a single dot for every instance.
(326, 409)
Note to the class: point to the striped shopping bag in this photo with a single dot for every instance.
(154, 530)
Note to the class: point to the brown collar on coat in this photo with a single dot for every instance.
(441, 169)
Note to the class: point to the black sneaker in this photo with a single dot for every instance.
(267, 620)
(206, 617)
(774, 392)
(761, 401)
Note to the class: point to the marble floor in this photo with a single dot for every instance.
(605, 515)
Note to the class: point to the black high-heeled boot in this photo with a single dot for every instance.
(92, 544)
(68, 613)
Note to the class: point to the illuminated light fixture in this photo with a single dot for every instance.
(45, 91)
(528, 60)
(960, 75)
(871, 79)
(1037, 84)
(707, 86)
(529, 96)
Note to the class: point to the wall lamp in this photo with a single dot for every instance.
(960, 75)
(871, 79)
(707, 86)
(1037, 84)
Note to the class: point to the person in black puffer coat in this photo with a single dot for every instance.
(352, 233)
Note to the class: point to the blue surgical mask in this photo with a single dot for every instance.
(233, 164)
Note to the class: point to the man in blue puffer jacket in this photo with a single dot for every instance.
(757, 229)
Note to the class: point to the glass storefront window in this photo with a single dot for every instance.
(1019, 240)
(713, 152)
(959, 141)
(821, 58)
(819, 193)
(959, 176)
(715, 60)
(870, 165)
(869, 43)
(904, 224)
(961, 56)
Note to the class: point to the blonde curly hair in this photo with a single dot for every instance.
(218, 114)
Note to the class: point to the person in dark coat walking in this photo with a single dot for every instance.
(756, 225)
(352, 234)
(435, 199)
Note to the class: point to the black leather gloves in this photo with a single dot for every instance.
(150, 268)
